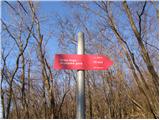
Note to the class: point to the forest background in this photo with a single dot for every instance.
(32, 32)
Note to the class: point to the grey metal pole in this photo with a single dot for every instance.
(80, 81)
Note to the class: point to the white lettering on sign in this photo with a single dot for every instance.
(70, 62)
(99, 62)
(99, 57)
(79, 63)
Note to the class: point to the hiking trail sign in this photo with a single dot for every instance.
(81, 62)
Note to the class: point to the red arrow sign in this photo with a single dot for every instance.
(81, 62)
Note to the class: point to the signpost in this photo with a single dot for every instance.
(81, 62)
(80, 98)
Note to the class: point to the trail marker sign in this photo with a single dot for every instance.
(81, 62)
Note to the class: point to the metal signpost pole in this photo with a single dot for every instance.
(80, 81)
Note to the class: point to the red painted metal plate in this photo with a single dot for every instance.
(81, 62)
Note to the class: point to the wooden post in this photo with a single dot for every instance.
(80, 81)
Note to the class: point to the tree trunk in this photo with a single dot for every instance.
(143, 51)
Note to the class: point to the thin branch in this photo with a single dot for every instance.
(22, 7)
(10, 34)
(140, 18)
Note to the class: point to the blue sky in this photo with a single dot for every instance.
(46, 9)
(49, 10)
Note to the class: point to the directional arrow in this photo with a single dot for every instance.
(81, 62)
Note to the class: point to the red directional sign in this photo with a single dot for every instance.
(81, 62)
